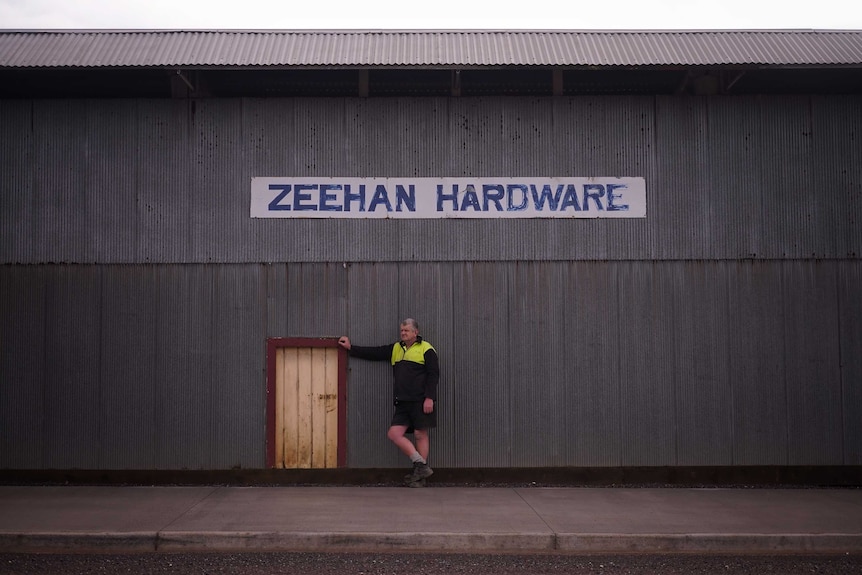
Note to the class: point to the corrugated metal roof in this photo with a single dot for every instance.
(425, 48)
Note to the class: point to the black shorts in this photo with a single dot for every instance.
(411, 414)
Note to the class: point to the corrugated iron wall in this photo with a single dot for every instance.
(167, 181)
(137, 294)
(544, 363)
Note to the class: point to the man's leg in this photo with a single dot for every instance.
(423, 442)
(396, 435)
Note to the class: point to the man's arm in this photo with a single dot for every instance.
(374, 353)
(432, 378)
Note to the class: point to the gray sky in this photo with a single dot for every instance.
(439, 14)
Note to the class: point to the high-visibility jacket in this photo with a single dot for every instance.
(415, 369)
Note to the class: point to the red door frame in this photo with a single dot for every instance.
(272, 345)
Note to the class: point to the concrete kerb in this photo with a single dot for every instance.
(706, 543)
(347, 542)
(78, 542)
(173, 541)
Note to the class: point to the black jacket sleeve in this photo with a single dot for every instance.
(374, 353)
(432, 366)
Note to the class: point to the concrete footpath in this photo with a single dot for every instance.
(434, 519)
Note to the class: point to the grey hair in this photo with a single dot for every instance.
(412, 322)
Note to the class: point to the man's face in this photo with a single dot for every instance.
(408, 334)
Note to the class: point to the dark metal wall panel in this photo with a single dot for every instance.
(682, 198)
(372, 318)
(543, 363)
(812, 358)
(317, 296)
(60, 194)
(306, 137)
(24, 370)
(758, 365)
(790, 228)
(140, 181)
(184, 385)
(584, 330)
(427, 293)
(161, 210)
(703, 386)
(218, 190)
(483, 395)
(16, 191)
(109, 169)
(72, 384)
(836, 148)
(127, 367)
(539, 414)
(647, 394)
(850, 337)
(559, 388)
(732, 195)
(237, 438)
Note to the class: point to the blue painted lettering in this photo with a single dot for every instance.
(326, 197)
(596, 195)
(351, 197)
(381, 197)
(405, 198)
(570, 199)
(470, 198)
(510, 189)
(441, 197)
(300, 195)
(552, 200)
(492, 193)
(275, 205)
(612, 207)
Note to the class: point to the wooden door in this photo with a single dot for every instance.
(307, 400)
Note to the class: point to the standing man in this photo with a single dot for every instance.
(416, 372)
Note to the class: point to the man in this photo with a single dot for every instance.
(416, 372)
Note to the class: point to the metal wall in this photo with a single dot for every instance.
(168, 181)
(723, 329)
(544, 363)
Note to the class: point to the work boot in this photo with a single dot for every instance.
(421, 471)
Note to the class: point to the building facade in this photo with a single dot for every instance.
(140, 301)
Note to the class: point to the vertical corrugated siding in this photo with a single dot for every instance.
(16, 160)
(587, 299)
(850, 337)
(723, 329)
(72, 383)
(184, 385)
(647, 396)
(815, 433)
(541, 416)
(372, 317)
(570, 363)
(836, 125)
(479, 375)
(757, 364)
(237, 366)
(127, 367)
(702, 380)
(144, 181)
(24, 372)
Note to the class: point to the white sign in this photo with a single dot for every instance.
(448, 197)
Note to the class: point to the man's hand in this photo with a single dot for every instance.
(428, 406)
(344, 342)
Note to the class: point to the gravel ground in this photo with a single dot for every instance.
(425, 564)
